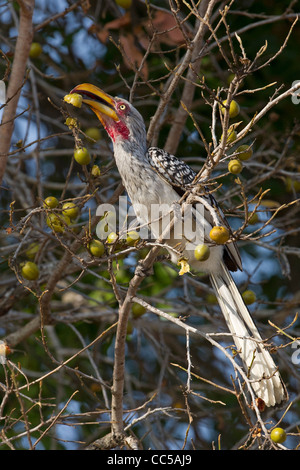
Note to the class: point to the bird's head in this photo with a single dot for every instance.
(120, 119)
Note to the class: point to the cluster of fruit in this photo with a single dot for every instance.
(220, 235)
(243, 152)
(81, 154)
(58, 220)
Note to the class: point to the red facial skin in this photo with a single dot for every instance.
(115, 129)
(118, 128)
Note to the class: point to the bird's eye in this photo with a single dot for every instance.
(122, 107)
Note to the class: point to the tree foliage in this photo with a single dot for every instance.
(68, 331)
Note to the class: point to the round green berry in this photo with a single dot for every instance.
(234, 108)
(30, 271)
(96, 248)
(82, 156)
(235, 167)
(249, 297)
(278, 435)
(244, 152)
(202, 252)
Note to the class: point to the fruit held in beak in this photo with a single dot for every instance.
(75, 99)
(100, 102)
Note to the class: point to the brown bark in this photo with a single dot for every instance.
(16, 80)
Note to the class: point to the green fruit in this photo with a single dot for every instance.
(219, 234)
(234, 108)
(132, 238)
(51, 202)
(278, 435)
(130, 328)
(82, 156)
(253, 219)
(30, 271)
(126, 4)
(211, 299)
(95, 171)
(96, 248)
(35, 50)
(249, 297)
(70, 210)
(32, 250)
(138, 310)
(231, 135)
(71, 122)
(244, 152)
(292, 185)
(202, 252)
(112, 237)
(57, 223)
(235, 167)
(93, 133)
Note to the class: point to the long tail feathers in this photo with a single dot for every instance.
(262, 371)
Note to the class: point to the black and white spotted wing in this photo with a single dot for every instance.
(173, 170)
(181, 177)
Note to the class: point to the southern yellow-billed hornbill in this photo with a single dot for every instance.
(153, 177)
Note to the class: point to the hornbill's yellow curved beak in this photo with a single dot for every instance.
(101, 103)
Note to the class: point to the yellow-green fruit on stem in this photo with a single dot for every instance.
(35, 50)
(57, 222)
(234, 108)
(71, 122)
(231, 135)
(132, 237)
(235, 167)
(32, 250)
(82, 156)
(219, 234)
(96, 248)
(51, 202)
(253, 219)
(138, 310)
(202, 252)
(249, 297)
(93, 133)
(30, 271)
(70, 210)
(244, 152)
(278, 435)
(95, 171)
(112, 237)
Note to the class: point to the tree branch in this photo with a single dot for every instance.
(16, 80)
